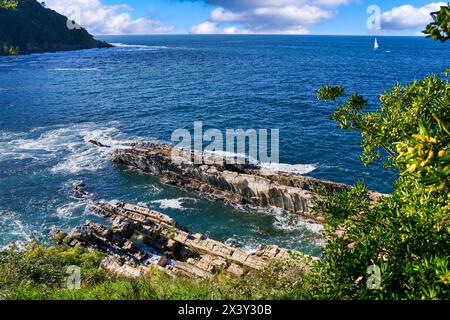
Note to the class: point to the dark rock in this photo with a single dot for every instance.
(123, 227)
(99, 144)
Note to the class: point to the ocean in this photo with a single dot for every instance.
(147, 86)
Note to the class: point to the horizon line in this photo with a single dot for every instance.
(262, 34)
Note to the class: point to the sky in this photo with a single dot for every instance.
(339, 17)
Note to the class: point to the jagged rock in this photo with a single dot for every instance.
(236, 270)
(122, 226)
(115, 266)
(170, 247)
(235, 184)
(209, 263)
(272, 252)
(189, 270)
(99, 144)
(81, 233)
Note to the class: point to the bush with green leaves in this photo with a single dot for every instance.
(405, 235)
(439, 29)
(8, 4)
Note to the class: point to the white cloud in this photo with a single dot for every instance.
(208, 27)
(408, 16)
(98, 18)
(267, 16)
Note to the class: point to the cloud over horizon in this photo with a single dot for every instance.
(243, 16)
(99, 18)
(267, 16)
(408, 16)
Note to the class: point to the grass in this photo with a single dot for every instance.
(39, 273)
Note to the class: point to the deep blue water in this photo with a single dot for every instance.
(51, 104)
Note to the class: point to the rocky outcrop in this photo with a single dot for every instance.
(236, 184)
(140, 238)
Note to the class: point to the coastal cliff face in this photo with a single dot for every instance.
(234, 184)
(32, 28)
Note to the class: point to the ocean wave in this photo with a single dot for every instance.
(13, 229)
(67, 148)
(293, 223)
(274, 167)
(9, 135)
(177, 203)
(288, 222)
(139, 46)
(67, 210)
(298, 169)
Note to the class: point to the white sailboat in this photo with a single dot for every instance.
(376, 45)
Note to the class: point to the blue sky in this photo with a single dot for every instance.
(396, 17)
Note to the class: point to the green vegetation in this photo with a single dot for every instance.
(406, 235)
(40, 273)
(439, 29)
(399, 247)
(27, 26)
(10, 51)
(8, 4)
(396, 248)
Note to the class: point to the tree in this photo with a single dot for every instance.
(439, 29)
(399, 247)
(8, 4)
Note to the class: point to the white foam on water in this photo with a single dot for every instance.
(139, 46)
(12, 227)
(298, 169)
(290, 222)
(67, 210)
(67, 147)
(174, 203)
(142, 204)
(148, 189)
(9, 135)
(250, 247)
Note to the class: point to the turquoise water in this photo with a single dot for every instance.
(51, 104)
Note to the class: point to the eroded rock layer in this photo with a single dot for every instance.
(139, 238)
(236, 184)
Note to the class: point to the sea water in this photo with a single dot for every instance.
(52, 104)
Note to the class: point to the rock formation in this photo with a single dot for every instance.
(140, 238)
(235, 184)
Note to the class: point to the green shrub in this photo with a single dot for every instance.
(439, 29)
(8, 4)
(39, 273)
(406, 235)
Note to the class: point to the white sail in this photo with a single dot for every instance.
(376, 46)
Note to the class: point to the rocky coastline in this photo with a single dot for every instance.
(30, 27)
(140, 238)
(234, 184)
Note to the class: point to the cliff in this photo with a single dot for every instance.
(32, 28)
